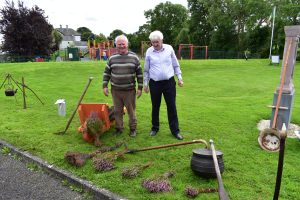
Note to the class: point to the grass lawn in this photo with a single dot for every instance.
(221, 100)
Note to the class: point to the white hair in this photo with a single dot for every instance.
(121, 37)
(156, 35)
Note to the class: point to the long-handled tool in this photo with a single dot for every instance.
(283, 135)
(222, 193)
(167, 145)
(74, 112)
(78, 159)
(269, 139)
(282, 84)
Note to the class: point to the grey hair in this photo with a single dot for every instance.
(156, 35)
(121, 37)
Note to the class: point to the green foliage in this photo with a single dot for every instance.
(85, 33)
(115, 33)
(229, 25)
(134, 43)
(33, 167)
(183, 37)
(57, 38)
(199, 26)
(5, 150)
(168, 18)
(258, 41)
(26, 32)
(76, 188)
(221, 100)
(16, 157)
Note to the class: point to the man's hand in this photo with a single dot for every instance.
(180, 83)
(139, 93)
(105, 91)
(146, 89)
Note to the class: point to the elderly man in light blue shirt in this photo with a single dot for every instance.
(160, 67)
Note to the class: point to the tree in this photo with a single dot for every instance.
(223, 36)
(26, 32)
(258, 40)
(85, 33)
(134, 43)
(115, 33)
(168, 18)
(183, 37)
(287, 14)
(83, 29)
(57, 38)
(199, 26)
(100, 38)
(144, 32)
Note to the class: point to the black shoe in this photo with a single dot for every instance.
(178, 136)
(153, 133)
(132, 133)
(118, 132)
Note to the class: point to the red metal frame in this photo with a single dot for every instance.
(191, 47)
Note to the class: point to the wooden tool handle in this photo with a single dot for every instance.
(222, 193)
(79, 102)
(281, 85)
(167, 145)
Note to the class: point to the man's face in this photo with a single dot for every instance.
(122, 46)
(157, 44)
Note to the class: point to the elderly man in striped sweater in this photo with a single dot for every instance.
(123, 70)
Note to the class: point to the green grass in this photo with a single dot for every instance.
(221, 100)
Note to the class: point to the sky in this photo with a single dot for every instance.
(97, 15)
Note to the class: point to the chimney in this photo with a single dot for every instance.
(60, 26)
(66, 26)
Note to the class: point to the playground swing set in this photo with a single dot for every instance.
(194, 51)
(102, 50)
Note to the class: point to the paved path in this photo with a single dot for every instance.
(17, 182)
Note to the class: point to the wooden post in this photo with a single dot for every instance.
(24, 95)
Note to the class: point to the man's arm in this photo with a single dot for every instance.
(146, 73)
(106, 79)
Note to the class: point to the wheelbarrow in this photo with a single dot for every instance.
(103, 112)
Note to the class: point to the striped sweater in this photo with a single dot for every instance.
(122, 71)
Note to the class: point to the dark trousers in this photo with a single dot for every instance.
(168, 89)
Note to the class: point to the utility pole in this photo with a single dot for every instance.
(273, 16)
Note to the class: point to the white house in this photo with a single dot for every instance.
(71, 38)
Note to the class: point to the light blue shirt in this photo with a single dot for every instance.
(161, 65)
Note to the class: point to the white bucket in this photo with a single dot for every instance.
(61, 106)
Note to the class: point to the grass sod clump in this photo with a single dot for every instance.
(221, 100)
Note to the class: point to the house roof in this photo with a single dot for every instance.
(68, 31)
